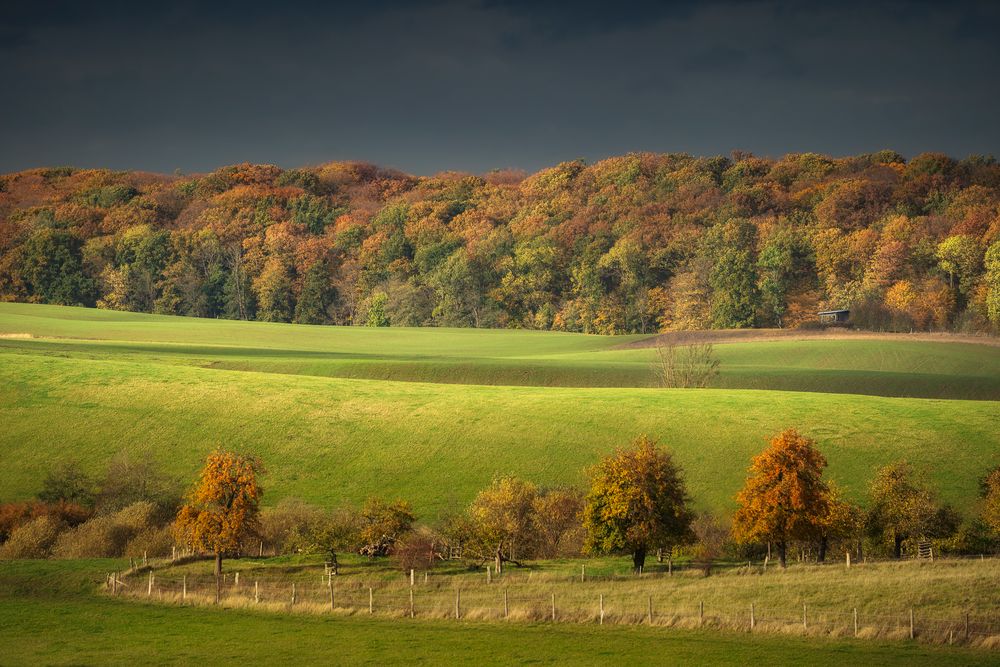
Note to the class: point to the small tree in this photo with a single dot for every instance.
(842, 520)
(637, 501)
(376, 310)
(686, 366)
(502, 518)
(222, 509)
(784, 497)
(381, 524)
(68, 483)
(902, 507)
(559, 522)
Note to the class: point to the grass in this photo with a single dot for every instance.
(49, 616)
(501, 357)
(334, 440)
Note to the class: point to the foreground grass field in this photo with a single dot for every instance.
(50, 614)
(889, 367)
(337, 440)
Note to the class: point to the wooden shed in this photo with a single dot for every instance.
(834, 317)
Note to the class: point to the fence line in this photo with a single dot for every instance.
(590, 604)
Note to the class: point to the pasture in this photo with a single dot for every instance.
(98, 382)
(51, 613)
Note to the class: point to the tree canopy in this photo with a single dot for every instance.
(785, 497)
(637, 501)
(634, 243)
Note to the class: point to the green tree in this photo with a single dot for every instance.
(637, 501)
(992, 263)
(52, 267)
(733, 275)
(376, 310)
(315, 297)
(961, 257)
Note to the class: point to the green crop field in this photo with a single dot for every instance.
(84, 384)
(50, 613)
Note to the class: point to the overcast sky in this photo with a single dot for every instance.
(426, 87)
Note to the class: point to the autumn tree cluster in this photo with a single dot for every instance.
(636, 243)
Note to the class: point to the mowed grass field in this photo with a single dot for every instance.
(890, 367)
(51, 614)
(79, 384)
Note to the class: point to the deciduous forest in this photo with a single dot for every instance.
(630, 244)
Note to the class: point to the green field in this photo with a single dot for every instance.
(51, 614)
(98, 382)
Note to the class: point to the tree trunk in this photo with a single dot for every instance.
(821, 555)
(898, 547)
(498, 559)
(783, 553)
(638, 559)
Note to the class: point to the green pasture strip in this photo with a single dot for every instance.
(335, 441)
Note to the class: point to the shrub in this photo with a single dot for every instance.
(417, 550)
(13, 515)
(150, 542)
(106, 536)
(33, 539)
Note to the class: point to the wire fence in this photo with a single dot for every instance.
(597, 601)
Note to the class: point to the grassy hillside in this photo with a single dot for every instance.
(49, 614)
(335, 440)
(500, 357)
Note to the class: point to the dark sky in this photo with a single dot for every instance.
(471, 86)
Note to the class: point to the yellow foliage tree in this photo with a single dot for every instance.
(638, 501)
(222, 509)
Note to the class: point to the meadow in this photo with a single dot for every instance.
(51, 613)
(91, 383)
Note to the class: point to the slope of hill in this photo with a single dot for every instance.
(336, 440)
(887, 366)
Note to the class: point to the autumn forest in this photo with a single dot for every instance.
(630, 244)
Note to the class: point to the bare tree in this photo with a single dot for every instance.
(685, 366)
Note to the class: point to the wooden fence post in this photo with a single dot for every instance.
(848, 555)
(371, 600)
(411, 577)
(293, 592)
(583, 573)
(184, 588)
(602, 609)
(236, 581)
(149, 587)
(701, 613)
(330, 584)
(256, 592)
(489, 574)
(649, 609)
(911, 622)
(753, 619)
(458, 603)
(411, 603)
(506, 609)
(553, 607)
(805, 626)
(855, 622)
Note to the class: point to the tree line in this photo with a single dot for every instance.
(636, 504)
(637, 243)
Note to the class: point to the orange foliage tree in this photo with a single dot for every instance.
(637, 501)
(785, 497)
(222, 510)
